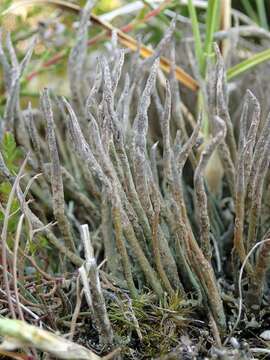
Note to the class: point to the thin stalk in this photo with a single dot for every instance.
(248, 64)
(156, 250)
(196, 34)
(250, 11)
(262, 14)
(15, 257)
(211, 25)
(4, 234)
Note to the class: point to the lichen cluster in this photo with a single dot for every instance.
(118, 158)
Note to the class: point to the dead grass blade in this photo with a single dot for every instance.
(20, 334)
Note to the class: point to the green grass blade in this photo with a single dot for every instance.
(262, 14)
(248, 64)
(211, 25)
(196, 33)
(250, 11)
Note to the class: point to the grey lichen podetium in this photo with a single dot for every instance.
(56, 175)
(128, 160)
(85, 153)
(12, 74)
(77, 59)
(257, 178)
(120, 243)
(245, 174)
(33, 134)
(201, 197)
(218, 106)
(97, 299)
(222, 105)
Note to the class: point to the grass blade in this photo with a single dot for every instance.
(196, 34)
(245, 65)
(211, 25)
(262, 14)
(249, 10)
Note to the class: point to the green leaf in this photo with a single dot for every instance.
(10, 152)
(212, 20)
(245, 65)
(249, 10)
(262, 14)
(196, 34)
(5, 189)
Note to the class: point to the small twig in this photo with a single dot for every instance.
(28, 311)
(86, 288)
(260, 351)
(21, 334)
(15, 254)
(76, 312)
(240, 306)
(4, 235)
